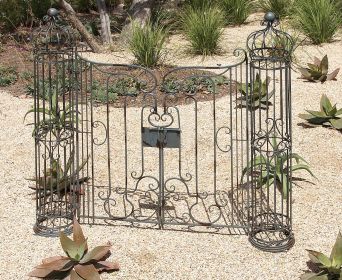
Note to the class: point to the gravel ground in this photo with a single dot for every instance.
(153, 254)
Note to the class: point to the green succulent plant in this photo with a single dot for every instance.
(8, 76)
(275, 170)
(80, 263)
(327, 116)
(55, 119)
(57, 181)
(330, 268)
(258, 95)
(318, 71)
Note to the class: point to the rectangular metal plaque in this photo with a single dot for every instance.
(161, 137)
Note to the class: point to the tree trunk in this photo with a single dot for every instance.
(76, 23)
(140, 12)
(105, 22)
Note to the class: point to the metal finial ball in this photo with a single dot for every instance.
(270, 17)
(52, 12)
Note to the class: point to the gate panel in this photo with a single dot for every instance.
(165, 157)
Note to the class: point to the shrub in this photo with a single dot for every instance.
(8, 76)
(317, 19)
(203, 29)
(281, 8)
(10, 18)
(147, 43)
(199, 4)
(236, 11)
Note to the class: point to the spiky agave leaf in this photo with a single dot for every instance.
(336, 253)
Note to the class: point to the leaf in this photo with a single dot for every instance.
(338, 112)
(62, 264)
(318, 114)
(96, 254)
(302, 167)
(336, 253)
(106, 266)
(325, 103)
(78, 235)
(332, 75)
(47, 273)
(87, 272)
(305, 74)
(70, 247)
(317, 61)
(75, 276)
(324, 65)
(298, 158)
(319, 258)
(336, 123)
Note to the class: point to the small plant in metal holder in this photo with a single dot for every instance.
(318, 71)
(80, 263)
(55, 119)
(327, 268)
(328, 115)
(275, 170)
(55, 180)
(258, 95)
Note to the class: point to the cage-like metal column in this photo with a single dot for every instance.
(56, 176)
(270, 52)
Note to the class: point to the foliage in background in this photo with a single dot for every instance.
(258, 95)
(281, 8)
(203, 29)
(327, 268)
(318, 71)
(275, 170)
(235, 11)
(328, 115)
(317, 19)
(199, 4)
(80, 263)
(147, 43)
(8, 76)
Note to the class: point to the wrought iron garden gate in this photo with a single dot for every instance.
(195, 148)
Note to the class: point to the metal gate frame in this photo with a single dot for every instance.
(66, 143)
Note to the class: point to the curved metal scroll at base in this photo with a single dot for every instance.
(269, 235)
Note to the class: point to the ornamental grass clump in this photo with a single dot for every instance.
(79, 262)
(203, 29)
(326, 268)
(317, 19)
(235, 11)
(147, 43)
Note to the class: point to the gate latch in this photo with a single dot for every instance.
(161, 137)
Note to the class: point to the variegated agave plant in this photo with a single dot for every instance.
(328, 268)
(318, 71)
(80, 263)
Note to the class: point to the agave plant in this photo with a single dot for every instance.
(330, 268)
(80, 263)
(258, 95)
(275, 170)
(327, 116)
(55, 119)
(318, 71)
(57, 181)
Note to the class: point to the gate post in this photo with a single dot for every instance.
(270, 52)
(55, 118)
